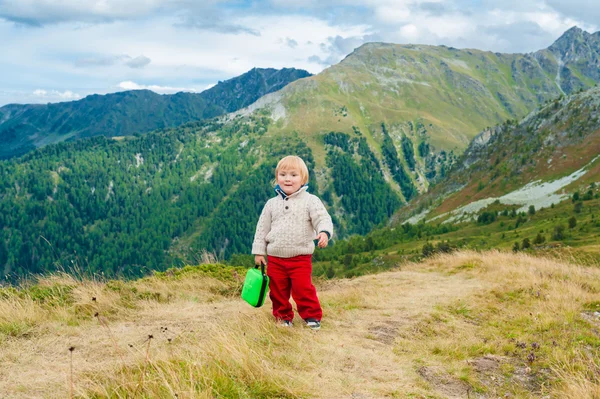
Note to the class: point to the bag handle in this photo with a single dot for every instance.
(264, 286)
(262, 268)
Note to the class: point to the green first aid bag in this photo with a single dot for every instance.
(255, 286)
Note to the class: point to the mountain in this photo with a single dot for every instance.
(241, 91)
(432, 99)
(130, 205)
(539, 161)
(26, 127)
(125, 206)
(578, 56)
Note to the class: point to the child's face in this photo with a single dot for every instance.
(289, 180)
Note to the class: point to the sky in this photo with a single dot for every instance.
(63, 50)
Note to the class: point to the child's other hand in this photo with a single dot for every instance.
(259, 260)
(323, 239)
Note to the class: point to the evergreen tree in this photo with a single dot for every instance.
(516, 247)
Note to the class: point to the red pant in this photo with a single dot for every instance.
(292, 275)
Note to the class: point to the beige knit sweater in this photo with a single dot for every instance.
(287, 227)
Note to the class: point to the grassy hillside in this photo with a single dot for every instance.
(436, 96)
(463, 325)
(568, 229)
(530, 186)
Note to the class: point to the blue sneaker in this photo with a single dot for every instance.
(285, 323)
(314, 324)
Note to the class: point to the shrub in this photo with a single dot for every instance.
(347, 260)
(486, 217)
(539, 239)
(516, 247)
(444, 247)
(428, 249)
(520, 220)
(559, 232)
(330, 273)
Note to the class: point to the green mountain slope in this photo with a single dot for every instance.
(26, 127)
(117, 207)
(128, 206)
(430, 98)
(537, 162)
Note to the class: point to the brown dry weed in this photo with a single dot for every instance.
(479, 325)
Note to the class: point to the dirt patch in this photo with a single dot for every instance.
(592, 317)
(489, 372)
(385, 332)
(444, 383)
(524, 377)
(488, 364)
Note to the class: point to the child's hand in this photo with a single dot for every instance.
(323, 239)
(259, 260)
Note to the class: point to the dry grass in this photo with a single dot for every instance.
(470, 324)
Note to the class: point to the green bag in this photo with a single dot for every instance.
(255, 286)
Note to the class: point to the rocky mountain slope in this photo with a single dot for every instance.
(26, 127)
(536, 162)
(432, 98)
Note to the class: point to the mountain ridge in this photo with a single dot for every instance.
(438, 97)
(26, 127)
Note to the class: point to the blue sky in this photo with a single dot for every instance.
(56, 50)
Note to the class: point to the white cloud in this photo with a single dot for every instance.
(86, 46)
(291, 42)
(577, 9)
(56, 94)
(68, 95)
(138, 62)
(393, 13)
(100, 60)
(40, 12)
(210, 86)
(410, 31)
(129, 85)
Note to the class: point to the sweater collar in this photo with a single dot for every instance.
(280, 191)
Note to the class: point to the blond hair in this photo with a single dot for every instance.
(293, 162)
